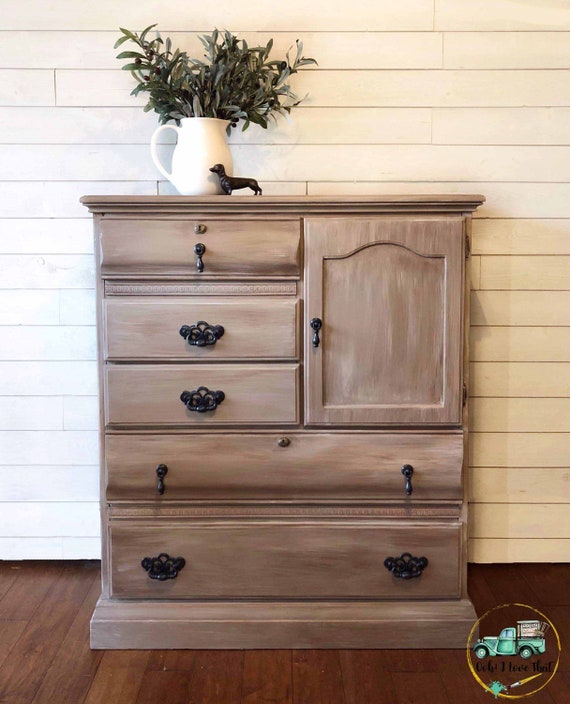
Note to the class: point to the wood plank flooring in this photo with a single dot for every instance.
(45, 657)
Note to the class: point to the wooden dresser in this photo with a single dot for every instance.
(283, 386)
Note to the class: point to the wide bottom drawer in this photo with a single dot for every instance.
(283, 559)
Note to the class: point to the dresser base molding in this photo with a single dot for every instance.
(250, 625)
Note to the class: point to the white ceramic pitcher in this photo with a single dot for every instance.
(201, 144)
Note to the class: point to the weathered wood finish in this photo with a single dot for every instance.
(342, 467)
(254, 248)
(150, 394)
(389, 294)
(254, 328)
(289, 560)
(284, 527)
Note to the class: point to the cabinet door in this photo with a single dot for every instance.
(389, 292)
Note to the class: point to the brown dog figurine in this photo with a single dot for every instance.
(231, 183)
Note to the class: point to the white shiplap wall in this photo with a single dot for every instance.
(419, 96)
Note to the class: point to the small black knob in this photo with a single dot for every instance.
(407, 471)
(406, 566)
(316, 324)
(283, 442)
(163, 566)
(161, 472)
(199, 250)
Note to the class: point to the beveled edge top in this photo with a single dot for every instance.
(280, 205)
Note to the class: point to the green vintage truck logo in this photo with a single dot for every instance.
(526, 640)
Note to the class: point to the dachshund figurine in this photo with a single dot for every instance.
(230, 183)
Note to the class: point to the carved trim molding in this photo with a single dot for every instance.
(199, 289)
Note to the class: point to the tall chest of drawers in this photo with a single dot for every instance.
(283, 385)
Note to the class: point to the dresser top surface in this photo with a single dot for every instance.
(283, 205)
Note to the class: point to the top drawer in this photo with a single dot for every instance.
(166, 247)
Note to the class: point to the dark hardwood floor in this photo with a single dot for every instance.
(45, 656)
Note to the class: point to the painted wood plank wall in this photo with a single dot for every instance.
(423, 96)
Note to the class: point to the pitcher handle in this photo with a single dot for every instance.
(153, 150)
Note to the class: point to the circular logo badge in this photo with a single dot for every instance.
(513, 651)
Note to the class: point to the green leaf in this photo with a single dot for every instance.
(130, 55)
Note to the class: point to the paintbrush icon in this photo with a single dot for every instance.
(526, 679)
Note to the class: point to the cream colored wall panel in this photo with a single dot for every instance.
(28, 413)
(23, 447)
(519, 550)
(343, 125)
(519, 449)
(520, 344)
(502, 15)
(48, 343)
(297, 15)
(502, 485)
(303, 162)
(513, 50)
(23, 307)
(519, 521)
(527, 273)
(77, 307)
(520, 379)
(66, 518)
(94, 125)
(24, 87)
(524, 308)
(49, 482)
(342, 50)
(56, 49)
(516, 125)
(450, 88)
(130, 125)
(48, 378)
(403, 162)
(46, 271)
(504, 200)
(370, 88)
(475, 272)
(549, 236)
(526, 415)
(81, 413)
(40, 199)
(30, 236)
(52, 548)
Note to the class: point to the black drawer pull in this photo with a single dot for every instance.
(406, 566)
(407, 471)
(202, 399)
(202, 334)
(161, 472)
(199, 250)
(163, 567)
(316, 324)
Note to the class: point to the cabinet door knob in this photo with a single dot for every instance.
(406, 566)
(161, 472)
(407, 471)
(202, 399)
(283, 442)
(199, 228)
(163, 567)
(202, 334)
(199, 250)
(316, 324)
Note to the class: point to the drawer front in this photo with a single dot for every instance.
(151, 328)
(274, 559)
(237, 247)
(258, 394)
(240, 467)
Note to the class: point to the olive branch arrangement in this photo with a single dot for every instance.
(235, 82)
